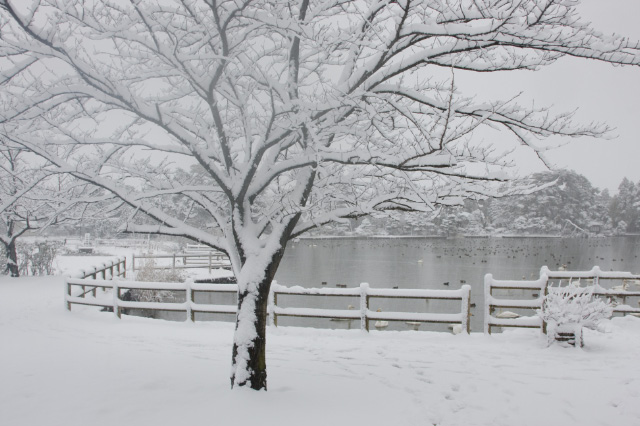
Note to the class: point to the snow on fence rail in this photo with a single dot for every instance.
(119, 264)
(116, 268)
(592, 276)
(364, 314)
(365, 293)
(198, 254)
(211, 260)
(124, 242)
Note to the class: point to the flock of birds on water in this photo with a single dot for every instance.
(484, 253)
(555, 253)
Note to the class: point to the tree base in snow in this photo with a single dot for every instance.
(568, 334)
(570, 338)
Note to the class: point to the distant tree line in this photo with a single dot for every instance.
(568, 204)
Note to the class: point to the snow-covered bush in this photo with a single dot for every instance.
(36, 258)
(150, 273)
(141, 295)
(568, 309)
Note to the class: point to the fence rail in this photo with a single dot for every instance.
(364, 314)
(364, 292)
(593, 276)
(116, 268)
(119, 265)
(124, 242)
(210, 260)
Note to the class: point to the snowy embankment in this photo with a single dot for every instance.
(88, 368)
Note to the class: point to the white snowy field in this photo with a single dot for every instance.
(88, 368)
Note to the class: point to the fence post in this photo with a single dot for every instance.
(596, 284)
(133, 263)
(209, 262)
(271, 301)
(488, 279)
(68, 293)
(364, 306)
(124, 267)
(116, 298)
(189, 297)
(275, 303)
(546, 292)
(173, 265)
(466, 308)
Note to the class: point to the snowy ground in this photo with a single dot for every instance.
(88, 368)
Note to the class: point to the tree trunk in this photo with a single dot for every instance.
(249, 367)
(12, 259)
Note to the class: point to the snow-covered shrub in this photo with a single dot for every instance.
(569, 309)
(150, 273)
(36, 258)
(141, 295)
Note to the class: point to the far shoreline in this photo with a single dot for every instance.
(442, 237)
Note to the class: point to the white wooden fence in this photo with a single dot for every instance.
(592, 277)
(108, 270)
(364, 314)
(210, 260)
(115, 268)
(364, 292)
(125, 242)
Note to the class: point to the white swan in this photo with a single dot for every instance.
(507, 314)
(414, 324)
(455, 328)
(381, 324)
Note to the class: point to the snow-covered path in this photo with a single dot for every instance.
(88, 368)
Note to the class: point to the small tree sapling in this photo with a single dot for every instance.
(569, 309)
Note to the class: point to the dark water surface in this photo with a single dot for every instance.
(429, 263)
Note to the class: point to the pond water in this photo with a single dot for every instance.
(431, 263)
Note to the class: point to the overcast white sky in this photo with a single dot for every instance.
(601, 92)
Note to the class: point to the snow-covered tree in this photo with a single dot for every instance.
(25, 204)
(569, 203)
(297, 113)
(601, 217)
(365, 228)
(625, 207)
(33, 197)
(16, 211)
